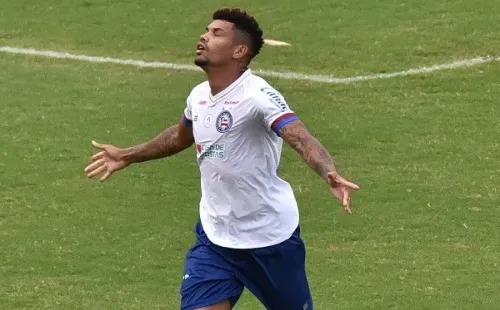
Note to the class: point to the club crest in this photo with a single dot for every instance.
(224, 121)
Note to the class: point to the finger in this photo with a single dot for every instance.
(98, 156)
(349, 184)
(99, 145)
(94, 165)
(105, 176)
(346, 201)
(335, 192)
(96, 171)
(340, 180)
(345, 198)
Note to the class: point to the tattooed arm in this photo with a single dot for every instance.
(171, 141)
(318, 158)
(276, 114)
(309, 148)
(110, 158)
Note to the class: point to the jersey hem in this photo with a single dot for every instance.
(284, 122)
(250, 246)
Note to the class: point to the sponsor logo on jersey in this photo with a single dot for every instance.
(224, 121)
(215, 150)
(275, 97)
(203, 102)
(232, 102)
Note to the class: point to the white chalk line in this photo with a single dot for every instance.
(269, 73)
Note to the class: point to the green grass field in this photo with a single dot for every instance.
(425, 233)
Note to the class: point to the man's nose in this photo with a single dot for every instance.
(203, 38)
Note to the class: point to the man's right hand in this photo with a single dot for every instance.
(107, 161)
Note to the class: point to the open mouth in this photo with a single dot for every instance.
(200, 48)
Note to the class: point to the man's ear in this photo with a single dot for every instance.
(240, 52)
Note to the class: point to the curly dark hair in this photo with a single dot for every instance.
(245, 23)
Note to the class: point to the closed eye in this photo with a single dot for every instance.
(216, 31)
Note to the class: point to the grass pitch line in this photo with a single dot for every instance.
(269, 73)
(276, 42)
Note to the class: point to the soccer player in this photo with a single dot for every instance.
(248, 234)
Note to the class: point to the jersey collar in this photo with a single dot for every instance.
(230, 88)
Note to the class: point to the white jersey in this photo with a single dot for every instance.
(244, 203)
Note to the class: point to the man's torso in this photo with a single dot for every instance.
(244, 203)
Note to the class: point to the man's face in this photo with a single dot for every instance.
(217, 45)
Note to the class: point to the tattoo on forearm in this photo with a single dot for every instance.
(311, 150)
(167, 143)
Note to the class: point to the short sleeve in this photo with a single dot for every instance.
(274, 110)
(187, 117)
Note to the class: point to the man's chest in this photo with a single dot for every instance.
(214, 121)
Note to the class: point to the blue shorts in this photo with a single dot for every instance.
(275, 275)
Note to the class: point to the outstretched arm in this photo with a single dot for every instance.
(171, 141)
(308, 147)
(110, 159)
(318, 158)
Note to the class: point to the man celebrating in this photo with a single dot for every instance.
(248, 234)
